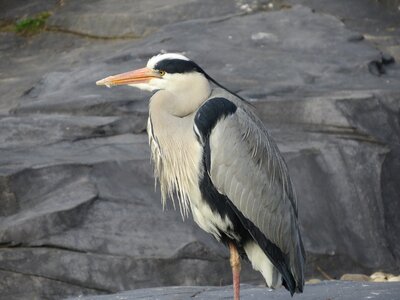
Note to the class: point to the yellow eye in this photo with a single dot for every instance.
(161, 72)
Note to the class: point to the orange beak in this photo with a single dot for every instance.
(138, 76)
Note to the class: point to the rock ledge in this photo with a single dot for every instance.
(344, 290)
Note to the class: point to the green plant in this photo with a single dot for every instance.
(29, 26)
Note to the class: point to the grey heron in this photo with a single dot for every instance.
(214, 154)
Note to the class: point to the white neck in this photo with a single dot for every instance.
(172, 140)
(183, 95)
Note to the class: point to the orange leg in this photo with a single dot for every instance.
(235, 264)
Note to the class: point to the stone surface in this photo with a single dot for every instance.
(313, 281)
(105, 19)
(79, 214)
(394, 279)
(325, 290)
(382, 277)
(379, 275)
(378, 21)
(355, 277)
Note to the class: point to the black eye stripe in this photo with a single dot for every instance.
(178, 66)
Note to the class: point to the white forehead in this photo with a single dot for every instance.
(155, 59)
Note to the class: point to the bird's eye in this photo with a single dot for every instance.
(161, 72)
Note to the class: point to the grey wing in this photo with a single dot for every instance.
(248, 168)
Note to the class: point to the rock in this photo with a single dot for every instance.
(379, 279)
(22, 9)
(377, 21)
(79, 212)
(355, 277)
(313, 281)
(379, 275)
(382, 277)
(325, 290)
(104, 19)
(394, 279)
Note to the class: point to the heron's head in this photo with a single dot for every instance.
(170, 71)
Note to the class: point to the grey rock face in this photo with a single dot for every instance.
(78, 211)
(105, 19)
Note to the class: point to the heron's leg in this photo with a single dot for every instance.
(235, 264)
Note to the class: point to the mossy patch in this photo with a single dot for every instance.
(31, 26)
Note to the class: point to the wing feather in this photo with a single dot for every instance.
(248, 168)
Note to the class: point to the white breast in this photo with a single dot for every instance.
(177, 158)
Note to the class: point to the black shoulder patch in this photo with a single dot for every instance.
(178, 66)
(211, 112)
